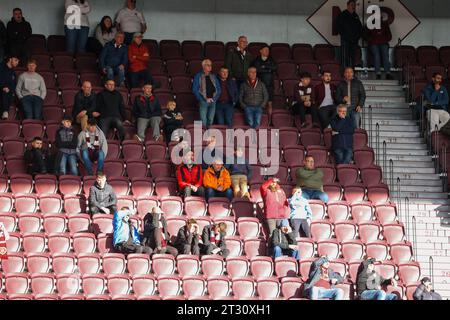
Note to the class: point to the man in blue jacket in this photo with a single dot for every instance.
(8, 81)
(321, 281)
(228, 98)
(114, 58)
(343, 128)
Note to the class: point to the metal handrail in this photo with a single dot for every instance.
(444, 173)
(434, 155)
(407, 215)
(384, 161)
(370, 126)
(377, 142)
(391, 175)
(414, 237)
(399, 193)
(431, 268)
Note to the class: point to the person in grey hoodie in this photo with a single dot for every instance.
(92, 146)
(102, 198)
(425, 291)
(369, 283)
(31, 91)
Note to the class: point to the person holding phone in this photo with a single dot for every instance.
(187, 241)
(213, 237)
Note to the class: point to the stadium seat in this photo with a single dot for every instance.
(302, 52)
(119, 284)
(364, 157)
(121, 185)
(9, 129)
(334, 191)
(15, 263)
(105, 243)
(378, 250)
(294, 155)
(45, 184)
(218, 287)
(74, 204)
(218, 207)
(386, 213)
(188, 265)
(194, 286)
(144, 285)
(54, 223)
(84, 243)
(329, 248)
(16, 165)
(261, 266)
(69, 185)
(268, 288)
(243, 287)
(291, 287)
(347, 174)
(14, 242)
(254, 247)
(34, 242)
(362, 212)
(137, 169)
(352, 250)
(21, 183)
(401, 252)
(248, 227)
(169, 285)
(13, 147)
(409, 272)
(89, 263)
(141, 187)
(241, 208)
(102, 223)
(394, 232)
(113, 263)
(354, 193)
(16, 283)
(29, 222)
(138, 264)
(369, 231)
(427, 55)
(68, 80)
(234, 245)
(318, 209)
(345, 230)
(310, 137)
(79, 223)
(321, 229)
(59, 243)
(286, 267)
(63, 263)
(306, 248)
(212, 266)
(404, 55)
(378, 194)
(160, 168)
(237, 267)
(163, 264)
(194, 207)
(94, 284)
(9, 220)
(42, 283)
(338, 211)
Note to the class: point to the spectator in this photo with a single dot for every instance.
(217, 181)
(105, 31)
(211, 152)
(304, 101)
(253, 98)
(342, 136)
(352, 93)
(31, 91)
(266, 67)
(310, 179)
(275, 204)
(147, 111)
(213, 237)
(369, 282)
(241, 172)
(435, 103)
(37, 158)
(173, 120)
(321, 281)
(156, 235)
(425, 291)
(206, 88)
(76, 35)
(325, 94)
(84, 106)
(130, 20)
(102, 198)
(18, 32)
(8, 82)
(92, 146)
(229, 96)
(138, 58)
(283, 242)
(350, 29)
(378, 40)
(4, 236)
(111, 109)
(3, 39)
(66, 142)
(114, 59)
(126, 238)
(238, 61)
(190, 177)
(187, 241)
(301, 214)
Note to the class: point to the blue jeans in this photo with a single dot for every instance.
(76, 39)
(137, 79)
(72, 160)
(211, 193)
(309, 194)
(322, 293)
(377, 295)
(381, 52)
(278, 252)
(98, 155)
(32, 107)
(253, 116)
(343, 155)
(112, 71)
(224, 114)
(207, 112)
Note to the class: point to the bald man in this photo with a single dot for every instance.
(84, 105)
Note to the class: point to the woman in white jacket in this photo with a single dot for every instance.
(301, 213)
(76, 25)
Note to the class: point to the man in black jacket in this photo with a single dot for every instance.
(84, 105)
(147, 111)
(425, 291)
(238, 60)
(66, 142)
(213, 240)
(2, 40)
(266, 67)
(369, 282)
(350, 29)
(111, 109)
(18, 32)
(283, 242)
(37, 158)
(156, 235)
(8, 82)
(187, 241)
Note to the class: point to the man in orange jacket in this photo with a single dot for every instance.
(138, 58)
(217, 181)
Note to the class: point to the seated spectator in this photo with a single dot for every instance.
(253, 98)
(228, 98)
(8, 82)
(342, 141)
(85, 104)
(325, 94)
(211, 152)
(425, 291)
(301, 214)
(213, 240)
(283, 242)
(4, 236)
(31, 91)
(105, 31)
(275, 204)
(369, 283)
(266, 67)
(310, 179)
(304, 102)
(102, 198)
(173, 120)
(188, 237)
(130, 20)
(111, 110)
(156, 235)
(18, 32)
(126, 238)
(138, 58)
(217, 181)
(76, 35)
(92, 146)
(321, 281)
(66, 142)
(147, 111)
(114, 59)
(241, 172)
(3, 39)
(37, 158)
(435, 104)
(238, 60)
(190, 177)
(351, 92)
(207, 89)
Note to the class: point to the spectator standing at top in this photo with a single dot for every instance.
(77, 31)
(425, 291)
(3, 39)
(102, 198)
(350, 29)
(304, 100)
(105, 31)
(238, 60)
(18, 32)
(275, 204)
(92, 146)
(310, 179)
(138, 58)
(324, 95)
(342, 136)
(351, 92)
(266, 67)
(114, 59)
(8, 83)
(228, 98)
(253, 98)
(147, 111)
(130, 20)
(66, 142)
(85, 104)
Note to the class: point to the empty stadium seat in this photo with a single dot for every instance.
(34, 242)
(321, 229)
(163, 264)
(378, 250)
(248, 227)
(378, 194)
(345, 230)
(338, 211)
(286, 267)
(15, 263)
(352, 250)
(362, 212)
(243, 287)
(113, 263)
(329, 248)
(16, 283)
(59, 242)
(354, 193)
(218, 287)
(369, 231)
(21, 183)
(84, 243)
(144, 285)
(261, 266)
(63, 263)
(54, 223)
(42, 283)
(212, 266)
(318, 209)
(386, 213)
(394, 232)
(268, 288)
(188, 265)
(347, 174)
(409, 272)
(194, 286)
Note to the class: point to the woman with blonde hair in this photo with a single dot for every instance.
(173, 120)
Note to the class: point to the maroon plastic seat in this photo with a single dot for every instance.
(404, 55)
(6, 202)
(93, 77)
(9, 129)
(386, 213)
(34, 242)
(364, 157)
(320, 155)
(427, 55)
(321, 230)
(160, 169)
(371, 176)
(352, 250)
(141, 187)
(16, 283)
(280, 51)
(362, 212)
(37, 44)
(88, 63)
(56, 43)
(287, 70)
(218, 207)
(369, 231)
(121, 185)
(49, 78)
(378, 194)
(347, 174)
(268, 288)
(13, 147)
(176, 67)
(170, 49)
(54, 223)
(430, 70)
(32, 128)
(401, 252)
(214, 50)
(69, 185)
(302, 52)
(354, 193)
(409, 272)
(444, 55)
(68, 80)
(310, 137)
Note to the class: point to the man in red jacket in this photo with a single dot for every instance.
(190, 177)
(138, 58)
(275, 204)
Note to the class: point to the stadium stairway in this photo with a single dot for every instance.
(409, 170)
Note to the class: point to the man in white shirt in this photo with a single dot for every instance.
(130, 21)
(324, 95)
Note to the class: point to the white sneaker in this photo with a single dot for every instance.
(5, 115)
(138, 138)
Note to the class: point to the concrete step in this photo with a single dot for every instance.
(397, 140)
(426, 197)
(421, 183)
(404, 146)
(438, 260)
(396, 111)
(383, 88)
(380, 82)
(385, 99)
(407, 176)
(410, 157)
(419, 188)
(388, 104)
(430, 220)
(408, 170)
(398, 123)
(399, 134)
(387, 116)
(385, 94)
(392, 128)
(429, 239)
(431, 252)
(406, 153)
(412, 164)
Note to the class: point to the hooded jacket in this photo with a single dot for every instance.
(186, 177)
(66, 140)
(146, 107)
(275, 203)
(345, 127)
(99, 197)
(282, 240)
(315, 272)
(422, 294)
(152, 230)
(18, 32)
(300, 208)
(368, 281)
(122, 230)
(211, 180)
(349, 26)
(8, 78)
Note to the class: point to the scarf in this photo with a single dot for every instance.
(3, 248)
(214, 238)
(151, 98)
(163, 235)
(92, 147)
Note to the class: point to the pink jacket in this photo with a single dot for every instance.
(275, 203)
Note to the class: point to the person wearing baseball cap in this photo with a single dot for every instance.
(156, 234)
(322, 280)
(425, 291)
(369, 283)
(66, 142)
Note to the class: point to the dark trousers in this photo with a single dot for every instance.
(126, 248)
(224, 114)
(207, 250)
(300, 109)
(168, 130)
(169, 250)
(32, 107)
(326, 113)
(343, 155)
(40, 163)
(138, 79)
(187, 192)
(348, 53)
(95, 210)
(211, 193)
(6, 100)
(190, 248)
(300, 227)
(21, 51)
(107, 123)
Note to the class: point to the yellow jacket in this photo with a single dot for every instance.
(210, 179)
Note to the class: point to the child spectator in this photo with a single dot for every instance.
(37, 158)
(66, 142)
(173, 120)
(301, 213)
